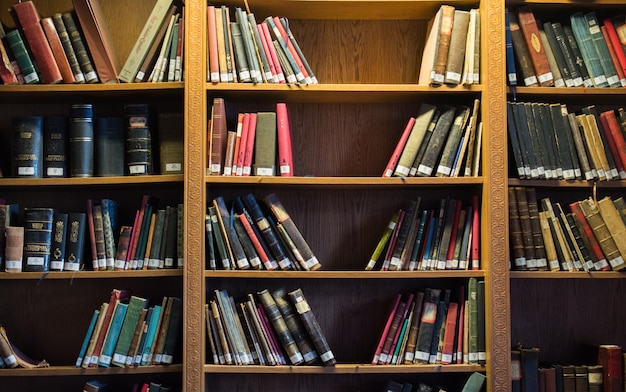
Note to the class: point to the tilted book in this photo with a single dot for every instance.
(57, 50)
(66, 42)
(522, 53)
(280, 326)
(602, 233)
(529, 28)
(120, 353)
(80, 48)
(22, 57)
(409, 152)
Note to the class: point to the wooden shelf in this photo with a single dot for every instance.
(567, 275)
(345, 182)
(344, 274)
(91, 274)
(345, 369)
(567, 183)
(56, 371)
(90, 181)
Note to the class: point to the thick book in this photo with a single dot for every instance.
(80, 47)
(37, 239)
(57, 50)
(602, 233)
(66, 43)
(217, 137)
(427, 325)
(113, 333)
(436, 142)
(98, 39)
(151, 57)
(29, 21)
(27, 146)
(109, 147)
(14, 248)
(588, 50)
(280, 326)
(444, 30)
(55, 146)
(537, 52)
(81, 140)
(568, 53)
(456, 52)
(8, 217)
(139, 140)
(611, 358)
(600, 44)
(75, 243)
(614, 223)
(22, 57)
(171, 142)
(414, 140)
(522, 54)
(59, 240)
(445, 166)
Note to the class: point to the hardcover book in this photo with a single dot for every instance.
(171, 137)
(59, 240)
(27, 146)
(37, 239)
(14, 248)
(537, 51)
(57, 50)
(75, 243)
(8, 217)
(55, 146)
(81, 141)
(70, 53)
(22, 57)
(80, 48)
(109, 148)
(139, 140)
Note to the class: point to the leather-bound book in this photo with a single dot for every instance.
(526, 228)
(427, 325)
(55, 146)
(37, 238)
(8, 217)
(80, 49)
(595, 378)
(312, 326)
(139, 156)
(121, 252)
(75, 243)
(594, 246)
(109, 146)
(59, 240)
(170, 238)
(278, 322)
(81, 140)
(27, 146)
(522, 53)
(535, 225)
(456, 53)
(614, 224)
(30, 25)
(66, 42)
(443, 44)
(173, 332)
(537, 51)
(582, 378)
(57, 50)
(602, 233)
(171, 139)
(436, 142)
(14, 248)
(22, 57)
(217, 137)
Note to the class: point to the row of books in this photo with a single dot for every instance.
(545, 236)
(260, 144)
(127, 331)
(550, 142)
(583, 53)
(529, 373)
(452, 49)
(53, 240)
(474, 383)
(83, 145)
(432, 327)
(430, 239)
(242, 50)
(441, 140)
(255, 235)
(12, 357)
(277, 328)
(103, 386)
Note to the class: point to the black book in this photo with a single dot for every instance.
(55, 146)
(559, 57)
(437, 141)
(529, 358)
(550, 139)
(427, 325)
(270, 262)
(210, 248)
(516, 143)
(395, 263)
(27, 146)
(37, 239)
(59, 239)
(588, 259)
(75, 242)
(109, 146)
(173, 332)
(544, 143)
(577, 55)
(393, 386)
(246, 243)
(524, 137)
(422, 148)
(139, 140)
(534, 137)
(563, 141)
(81, 141)
(170, 233)
(480, 305)
(449, 151)
(442, 311)
(232, 240)
(566, 50)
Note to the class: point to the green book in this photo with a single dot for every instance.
(135, 305)
(265, 144)
(113, 334)
(472, 292)
(22, 57)
(588, 49)
(474, 383)
(597, 38)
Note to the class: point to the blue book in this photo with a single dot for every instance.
(113, 333)
(588, 49)
(511, 73)
(83, 348)
(146, 353)
(597, 38)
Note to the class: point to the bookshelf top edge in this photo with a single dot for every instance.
(567, 184)
(345, 181)
(255, 274)
(345, 369)
(567, 275)
(74, 181)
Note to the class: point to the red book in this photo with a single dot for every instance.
(243, 144)
(92, 234)
(537, 52)
(272, 51)
(29, 21)
(613, 53)
(283, 136)
(233, 170)
(613, 142)
(601, 263)
(214, 67)
(614, 42)
(615, 131)
(131, 244)
(396, 324)
(257, 244)
(383, 336)
(448, 337)
(611, 359)
(247, 157)
(405, 312)
(117, 295)
(475, 234)
(292, 49)
(57, 50)
(137, 228)
(266, 49)
(393, 161)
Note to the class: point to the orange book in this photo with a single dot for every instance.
(57, 50)
(29, 21)
(528, 24)
(448, 337)
(283, 136)
(247, 158)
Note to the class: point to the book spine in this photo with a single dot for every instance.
(522, 53)
(23, 59)
(66, 42)
(55, 144)
(37, 239)
(283, 333)
(443, 45)
(536, 49)
(76, 38)
(81, 140)
(59, 240)
(139, 154)
(14, 248)
(27, 160)
(109, 148)
(58, 50)
(285, 158)
(76, 227)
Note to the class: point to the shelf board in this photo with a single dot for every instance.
(344, 181)
(74, 181)
(344, 369)
(567, 183)
(99, 371)
(335, 93)
(256, 274)
(568, 91)
(91, 274)
(567, 275)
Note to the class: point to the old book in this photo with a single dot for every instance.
(239, 53)
(171, 136)
(29, 21)
(80, 48)
(530, 30)
(22, 57)
(75, 244)
(87, 338)
(37, 239)
(278, 322)
(427, 325)
(602, 233)
(285, 49)
(610, 123)
(595, 378)
(471, 66)
(449, 150)
(231, 240)
(55, 146)
(81, 141)
(511, 72)
(587, 232)
(283, 139)
(145, 354)
(140, 140)
(221, 35)
(615, 42)
(87, 355)
(113, 333)
(444, 35)
(394, 321)
(557, 52)
(217, 137)
(430, 49)
(14, 248)
(57, 50)
(610, 357)
(436, 142)
(613, 222)
(151, 57)
(588, 50)
(98, 39)
(613, 55)
(160, 66)
(117, 296)
(415, 138)
(213, 71)
(568, 54)
(7, 72)
(27, 146)
(551, 57)
(529, 358)
(173, 332)
(157, 16)
(456, 52)
(535, 224)
(59, 240)
(127, 330)
(121, 251)
(222, 254)
(68, 49)
(600, 44)
(395, 156)
(8, 217)
(169, 246)
(109, 146)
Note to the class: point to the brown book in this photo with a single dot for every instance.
(620, 204)
(94, 336)
(57, 50)
(521, 52)
(98, 39)
(217, 137)
(230, 153)
(29, 21)
(602, 233)
(537, 52)
(430, 49)
(515, 233)
(443, 45)
(582, 379)
(98, 228)
(527, 233)
(611, 359)
(548, 241)
(595, 377)
(535, 225)
(14, 247)
(280, 326)
(68, 49)
(600, 264)
(80, 48)
(456, 53)
(171, 140)
(159, 342)
(615, 225)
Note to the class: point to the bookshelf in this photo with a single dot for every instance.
(567, 314)
(337, 198)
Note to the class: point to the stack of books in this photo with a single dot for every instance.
(452, 50)
(581, 53)
(550, 142)
(277, 328)
(587, 236)
(242, 50)
(254, 235)
(441, 141)
(431, 327)
(126, 331)
(427, 239)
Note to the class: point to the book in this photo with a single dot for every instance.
(282, 331)
(57, 50)
(109, 146)
(27, 146)
(113, 333)
(456, 52)
(522, 53)
(98, 39)
(14, 247)
(602, 233)
(22, 57)
(217, 137)
(87, 338)
(117, 296)
(55, 146)
(7, 72)
(444, 30)
(37, 239)
(474, 382)
(127, 330)
(66, 43)
(283, 138)
(140, 158)
(414, 140)
(537, 52)
(8, 217)
(81, 139)
(80, 48)
(145, 354)
(30, 25)
(445, 167)
(427, 325)
(436, 142)
(588, 50)
(171, 137)
(151, 56)
(58, 241)
(75, 243)
(598, 41)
